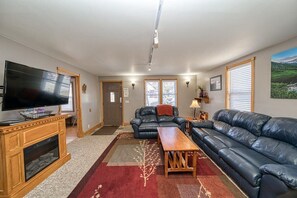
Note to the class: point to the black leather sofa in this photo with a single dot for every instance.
(146, 122)
(258, 152)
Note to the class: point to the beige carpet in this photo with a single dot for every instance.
(84, 152)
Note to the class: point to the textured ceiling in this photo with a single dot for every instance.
(114, 37)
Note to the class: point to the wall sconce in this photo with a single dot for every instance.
(188, 82)
(133, 85)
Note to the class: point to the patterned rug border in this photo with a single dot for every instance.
(90, 172)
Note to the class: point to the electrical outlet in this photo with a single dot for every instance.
(88, 126)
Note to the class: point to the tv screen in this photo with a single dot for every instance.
(27, 87)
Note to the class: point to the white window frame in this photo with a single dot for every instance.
(175, 94)
(160, 96)
(228, 80)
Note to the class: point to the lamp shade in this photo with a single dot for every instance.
(195, 104)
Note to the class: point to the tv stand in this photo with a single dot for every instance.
(14, 140)
(10, 122)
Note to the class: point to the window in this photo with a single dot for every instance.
(112, 97)
(70, 106)
(154, 95)
(240, 86)
(169, 92)
(152, 92)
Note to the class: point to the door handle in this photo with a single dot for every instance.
(120, 99)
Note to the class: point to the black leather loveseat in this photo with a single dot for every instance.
(258, 152)
(147, 120)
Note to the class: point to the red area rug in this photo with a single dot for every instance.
(134, 168)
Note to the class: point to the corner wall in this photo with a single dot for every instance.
(12, 51)
(136, 95)
(263, 103)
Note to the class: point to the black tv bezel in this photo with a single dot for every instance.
(5, 87)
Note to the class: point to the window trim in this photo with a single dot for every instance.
(161, 88)
(227, 77)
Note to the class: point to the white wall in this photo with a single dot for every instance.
(136, 95)
(263, 103)
(12, 51)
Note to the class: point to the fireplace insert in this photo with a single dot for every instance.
(40, 155)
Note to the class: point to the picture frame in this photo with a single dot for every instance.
(216, 83)
(284, 74)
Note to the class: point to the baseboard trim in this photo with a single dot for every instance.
(126, 123)
(91, 130)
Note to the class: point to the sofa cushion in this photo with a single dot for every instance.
(257, 159)
(148, 127)
(221, 126)
(168, 124)
(220, 141)
(228, 141)
(241, 135)
(226, 115)
(175, 111)
(148, 111)
(165, 118)
(214, 144)
(283, 129)
(211, 132)
(149, 119)
(250, 121)
(242, 166)
(199, 133)
(276, 150)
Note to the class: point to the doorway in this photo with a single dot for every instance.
(70, 110)
(112, 103)
(75, 128)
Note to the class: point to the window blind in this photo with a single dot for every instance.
(240, 87)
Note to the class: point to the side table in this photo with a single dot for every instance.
(188, 120)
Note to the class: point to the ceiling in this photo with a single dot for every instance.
(114, 37)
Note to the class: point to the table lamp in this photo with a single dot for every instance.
(195, 105)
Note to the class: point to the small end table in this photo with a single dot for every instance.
(188, 120)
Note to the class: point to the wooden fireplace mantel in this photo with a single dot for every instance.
(14, 139)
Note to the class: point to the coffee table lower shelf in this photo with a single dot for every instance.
(177, 148)
(178, 161)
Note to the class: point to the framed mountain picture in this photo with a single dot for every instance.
(284, 74)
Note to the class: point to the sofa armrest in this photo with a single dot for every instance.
(285, 173)
(202, 124)
(136, 121)
(179, 120)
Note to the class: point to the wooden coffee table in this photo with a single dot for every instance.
(177, 147)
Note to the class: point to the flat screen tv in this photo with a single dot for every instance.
(27, 87)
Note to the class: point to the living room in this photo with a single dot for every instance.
(189, 43)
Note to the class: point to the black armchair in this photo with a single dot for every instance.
(147, 120)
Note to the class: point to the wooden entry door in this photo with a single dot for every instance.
(112, 103)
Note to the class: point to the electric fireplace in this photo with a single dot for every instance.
(40, 155)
